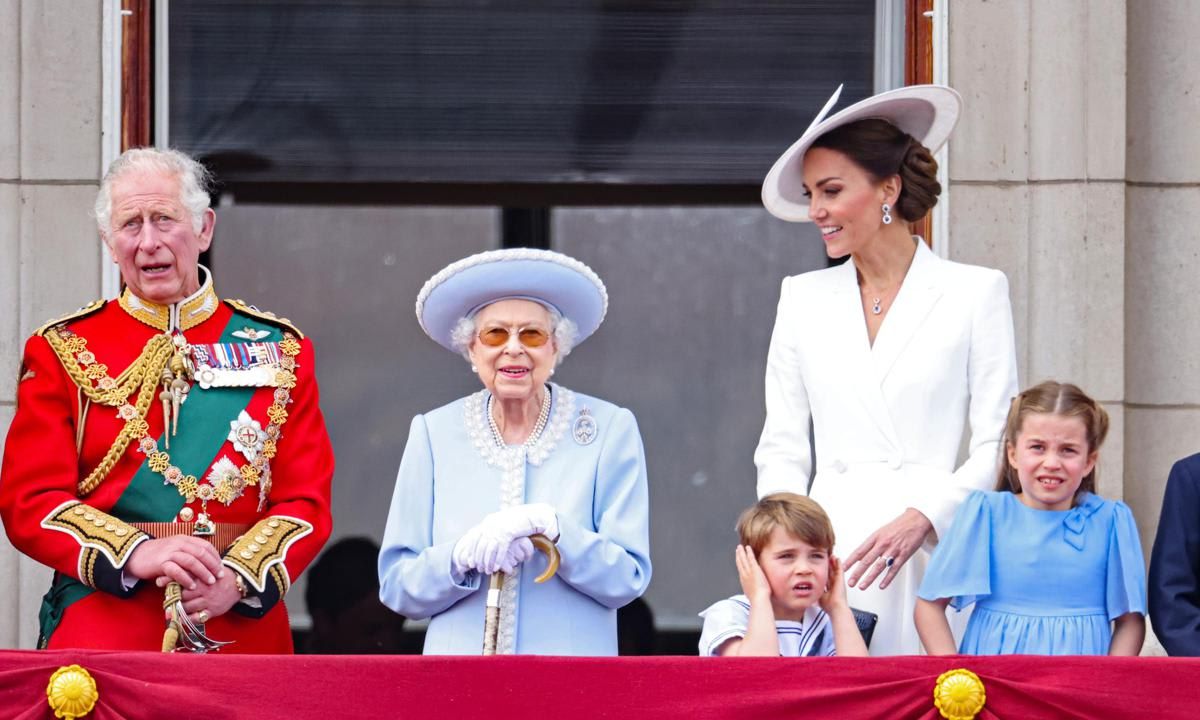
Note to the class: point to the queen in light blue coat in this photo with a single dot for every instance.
(520, 457)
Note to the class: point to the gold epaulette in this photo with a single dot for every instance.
(81, 312)
(269, 317)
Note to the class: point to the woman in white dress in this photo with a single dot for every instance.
(889, 356)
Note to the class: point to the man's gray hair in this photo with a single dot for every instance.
(194, 182)
(564, 330)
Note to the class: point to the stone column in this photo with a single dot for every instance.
(1037, 171)
(50, 107)
(1162, 255)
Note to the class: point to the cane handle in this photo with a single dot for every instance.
(547, 546)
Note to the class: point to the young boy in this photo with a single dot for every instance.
(795, 596)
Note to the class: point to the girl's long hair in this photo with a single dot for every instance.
(1053, 398)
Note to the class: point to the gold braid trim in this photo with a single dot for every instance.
(142, 374)
(281, 579)
(265, 547)
(72, 352)
(94, 530)
(88, 309)
(269, 317)
(87, 566)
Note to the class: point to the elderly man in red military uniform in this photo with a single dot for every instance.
(166, 440)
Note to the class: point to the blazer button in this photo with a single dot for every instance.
(839, 466)
(895, 462)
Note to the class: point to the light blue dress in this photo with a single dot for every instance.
(588, 464)
(1044, 582)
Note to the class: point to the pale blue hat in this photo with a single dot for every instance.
(558, 281)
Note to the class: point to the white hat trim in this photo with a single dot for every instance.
(943, 103)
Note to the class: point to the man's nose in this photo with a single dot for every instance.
(149, 238)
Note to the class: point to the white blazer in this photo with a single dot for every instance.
(888, 420)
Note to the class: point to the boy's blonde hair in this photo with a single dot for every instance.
(796, 514)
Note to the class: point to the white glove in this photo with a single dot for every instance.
(462, 558)
(517, 553)
(501, 528)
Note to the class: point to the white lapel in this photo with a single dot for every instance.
(851, 327)
(918, 294)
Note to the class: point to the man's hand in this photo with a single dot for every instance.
(214, 600)
(184, 559)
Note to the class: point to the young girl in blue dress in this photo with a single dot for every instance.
(1052, 568)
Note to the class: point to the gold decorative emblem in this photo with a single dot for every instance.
(959, 694)
(289, 346)
(72, 692)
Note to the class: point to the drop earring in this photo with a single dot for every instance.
(887, 214)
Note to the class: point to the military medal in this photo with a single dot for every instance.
(203, 525)
(247, 436)
(249, 333)
(250, 364)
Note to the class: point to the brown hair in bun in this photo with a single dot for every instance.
(882, 150)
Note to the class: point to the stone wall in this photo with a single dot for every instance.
(50, 140)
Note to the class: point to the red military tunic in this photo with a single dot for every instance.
(65, 506)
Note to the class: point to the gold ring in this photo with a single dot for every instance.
(202, 616)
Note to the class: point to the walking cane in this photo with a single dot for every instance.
(491, 623)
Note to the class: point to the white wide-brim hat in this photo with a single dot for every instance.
(552, 279)
(927, 112)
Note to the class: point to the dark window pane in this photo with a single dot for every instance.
(646, 92)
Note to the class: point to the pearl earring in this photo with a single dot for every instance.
(473, 368)
(887, 214)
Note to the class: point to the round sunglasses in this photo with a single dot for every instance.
(528, 336)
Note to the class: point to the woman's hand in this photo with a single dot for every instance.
(753, 579)
(896, 541)
(501, 542)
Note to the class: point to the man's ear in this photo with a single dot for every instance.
(205, 235)
(109, 246)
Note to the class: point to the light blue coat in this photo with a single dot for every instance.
(446, 486)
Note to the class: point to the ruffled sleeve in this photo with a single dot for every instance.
(1126, 577)
(961, 565)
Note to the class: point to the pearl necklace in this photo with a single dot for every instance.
(538, 427)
